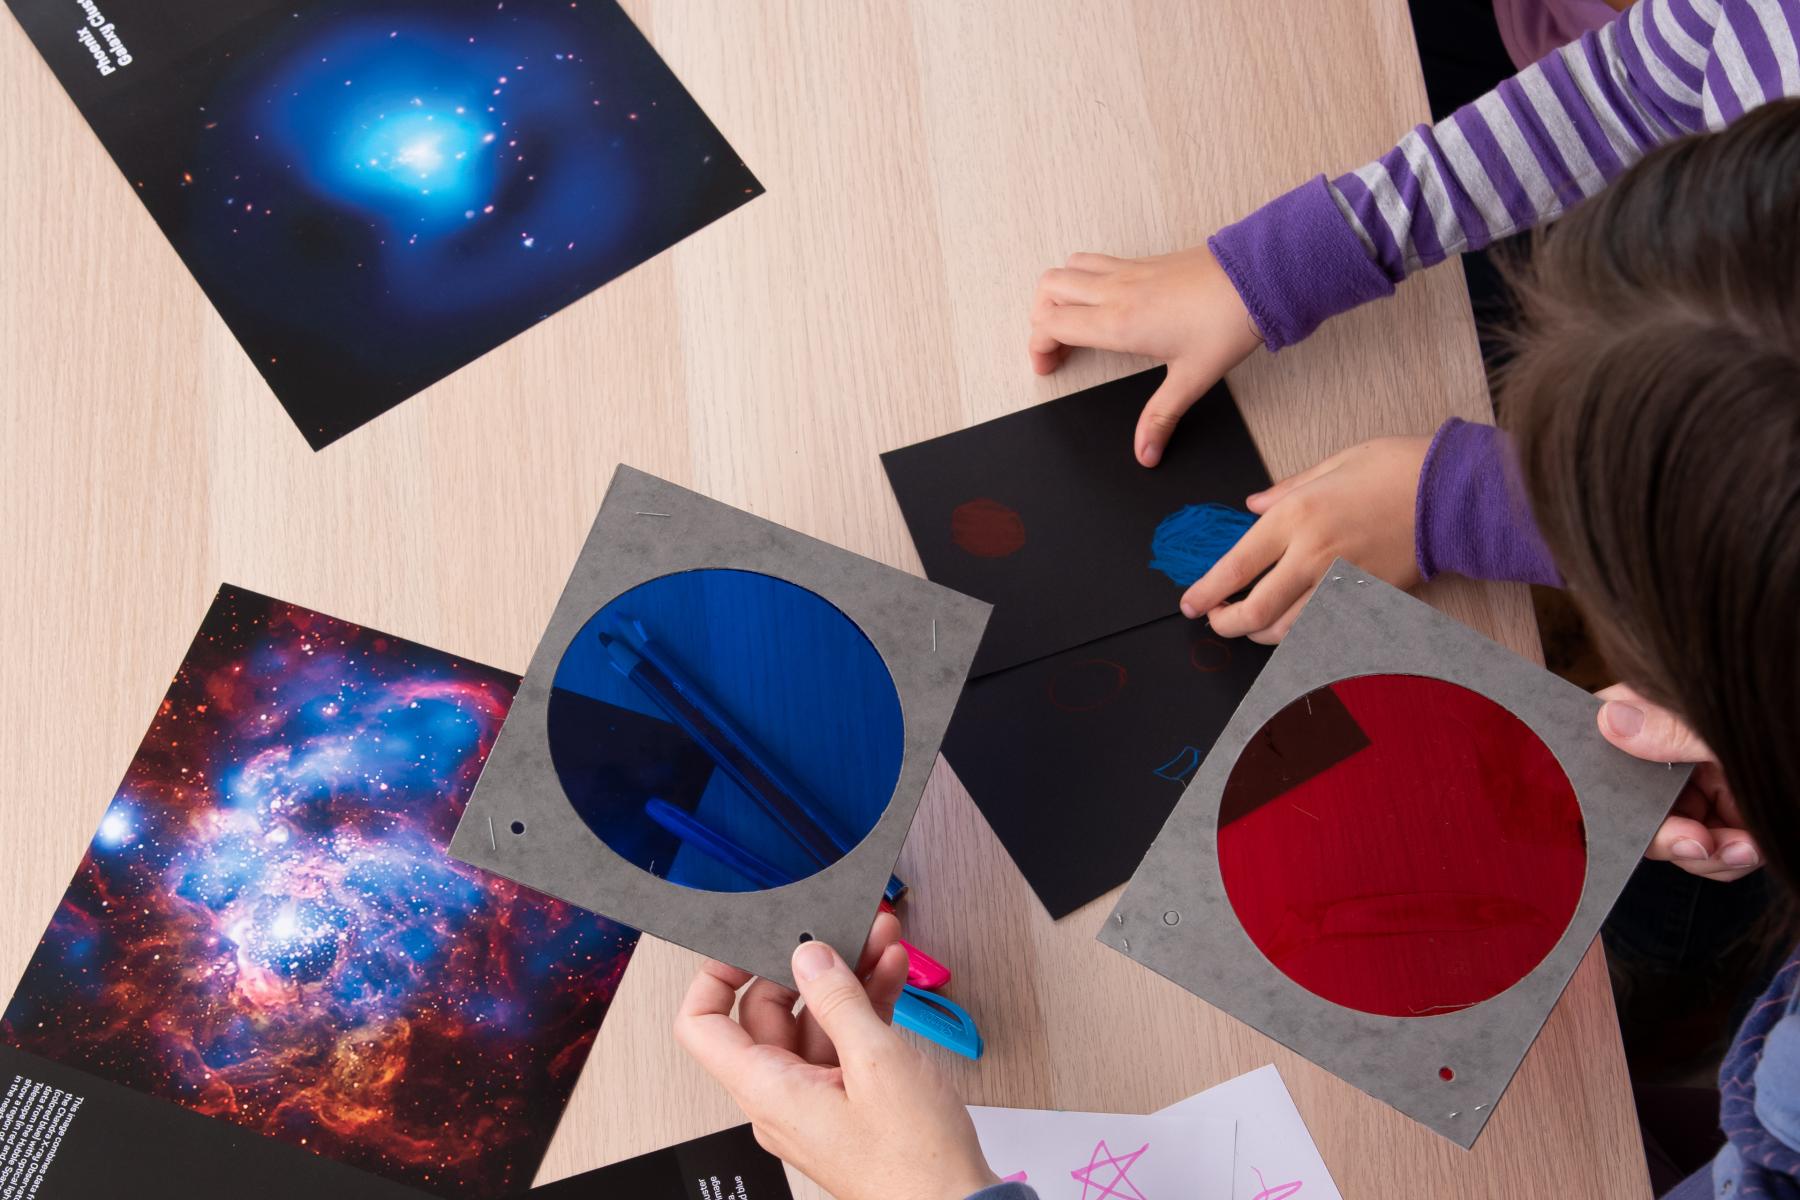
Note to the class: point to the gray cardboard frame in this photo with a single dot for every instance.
(648, 528)
(1175, 918)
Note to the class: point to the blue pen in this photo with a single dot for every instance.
(688, 707)
(930, 1016)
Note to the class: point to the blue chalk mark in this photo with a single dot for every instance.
(1187, 543)
(1177, 769)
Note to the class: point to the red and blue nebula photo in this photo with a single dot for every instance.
(375, 194)
(267, 928)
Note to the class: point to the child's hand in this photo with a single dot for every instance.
(1178, 307)
(836, 1092)
(1356, 505)
(1704, 835)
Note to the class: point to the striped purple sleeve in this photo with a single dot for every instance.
(1543, 141)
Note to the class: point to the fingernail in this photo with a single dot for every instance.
(1187, 610)
(1625, 720)
(1687, 849)
(1150, 455)
(812, 960)
(1739, 854)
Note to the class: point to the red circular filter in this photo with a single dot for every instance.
(1401, 845)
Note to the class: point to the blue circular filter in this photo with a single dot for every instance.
(725, 730)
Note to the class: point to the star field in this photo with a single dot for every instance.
(373, 195)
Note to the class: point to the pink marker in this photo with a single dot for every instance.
(922, 970)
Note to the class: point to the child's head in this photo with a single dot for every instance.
(1656, 399)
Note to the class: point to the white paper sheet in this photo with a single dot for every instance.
(1108, 1156)
(1274, 1155)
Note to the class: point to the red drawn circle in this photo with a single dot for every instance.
(1086, 685)
(987, 528)
(1401, 845)
(1209, 654)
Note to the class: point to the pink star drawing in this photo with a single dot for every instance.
(1280, 1191)
(1094, 1189)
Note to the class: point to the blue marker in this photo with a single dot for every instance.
(937, 1019)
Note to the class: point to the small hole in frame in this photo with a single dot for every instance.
(805, 937)
(518, 828)
(1446, 1074)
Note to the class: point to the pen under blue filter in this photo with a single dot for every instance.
(686, 703)
(691, 831)
(721, 744)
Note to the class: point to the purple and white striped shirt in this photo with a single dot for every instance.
(1536, 146)
(1540, 143)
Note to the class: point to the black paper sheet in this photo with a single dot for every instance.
(722, 1166)
(1077, 758)
(1093, 699)
(1046, 514)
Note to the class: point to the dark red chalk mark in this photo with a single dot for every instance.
(1086, 685)
(1209, 655)
(987, 528)
(1427, 871)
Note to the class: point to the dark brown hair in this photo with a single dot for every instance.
(1655, 395)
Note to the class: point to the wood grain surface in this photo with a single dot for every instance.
(924, 162)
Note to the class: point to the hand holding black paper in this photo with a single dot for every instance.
(1180, 308)
(836, 1091)
(1356, 505)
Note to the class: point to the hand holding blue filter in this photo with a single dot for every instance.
(786, 695)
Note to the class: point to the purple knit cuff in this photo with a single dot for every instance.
(1005, 1191)
(1295, 261)
(1471, 516)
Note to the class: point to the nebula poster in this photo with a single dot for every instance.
(267, 930)
(374, 194)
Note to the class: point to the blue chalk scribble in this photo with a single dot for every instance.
(1177, 769)
(1187, 543)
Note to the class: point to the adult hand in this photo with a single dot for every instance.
(1181, 308)
(1357, 504)
(836, 1092)
(1704, 835)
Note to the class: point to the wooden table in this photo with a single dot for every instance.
(924, 162)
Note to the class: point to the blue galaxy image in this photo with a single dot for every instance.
(267, 927)
(373, 195)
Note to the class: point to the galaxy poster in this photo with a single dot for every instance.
(267, 945)
(374, 194)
